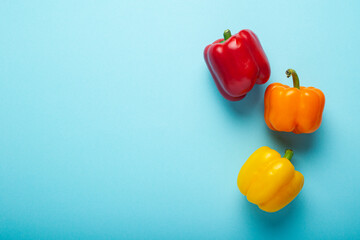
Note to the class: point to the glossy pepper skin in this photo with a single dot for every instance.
(269, 180)
(237, 63)
(293, 109)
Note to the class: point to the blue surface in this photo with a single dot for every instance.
(112, 128)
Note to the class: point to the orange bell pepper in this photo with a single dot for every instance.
(293, 109)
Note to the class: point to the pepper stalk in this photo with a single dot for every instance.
(227, 35)
(295, 77)
(288, 154)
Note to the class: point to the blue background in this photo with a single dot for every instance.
(111, 126)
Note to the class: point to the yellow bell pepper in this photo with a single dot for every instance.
(269, 180)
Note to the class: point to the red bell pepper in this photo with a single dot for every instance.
(236, 63)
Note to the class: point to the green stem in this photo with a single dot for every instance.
(289, 154)
(295, 77)
(227, 35)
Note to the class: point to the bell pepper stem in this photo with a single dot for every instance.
(289, 154)
(227, 35)
(295, 77)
